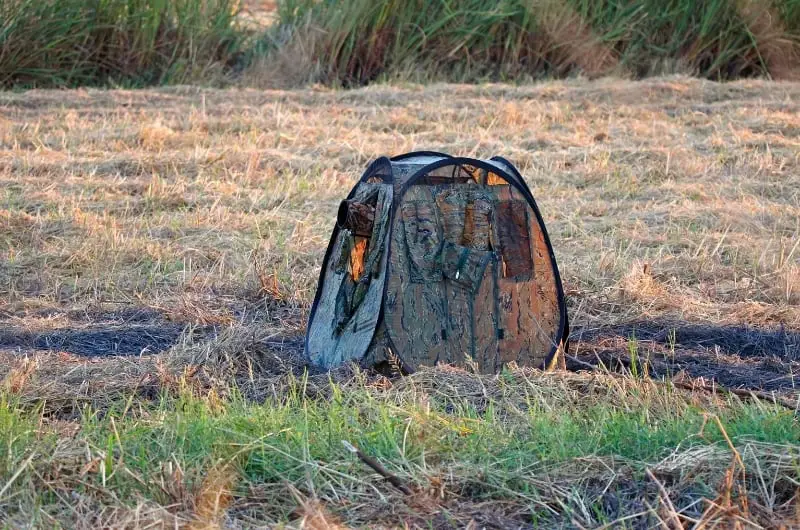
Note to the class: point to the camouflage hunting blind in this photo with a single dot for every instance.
(437, 259)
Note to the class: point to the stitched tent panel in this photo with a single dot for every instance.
(462, 271)
(343, 326)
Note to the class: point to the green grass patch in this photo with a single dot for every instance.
(498, 452)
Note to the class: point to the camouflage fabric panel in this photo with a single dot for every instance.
(451, 201)
(401, 173)
(459, 324)
(368, 294)
(464, 266)
(345, 244)
(414, 309)
(486, 324)
(482, 304)
(466, 271)
(435, 321)
(477, 217)
(512, 236)
(348, 339)
(546, 293)
(344, 303)
(379, 355)
(470, 278)
(423, 238)
(322, 337)
(528, 301)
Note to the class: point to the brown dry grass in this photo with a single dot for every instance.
(172, 198)
(667, 200)
(670, 199)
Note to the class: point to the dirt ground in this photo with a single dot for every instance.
(140, 222)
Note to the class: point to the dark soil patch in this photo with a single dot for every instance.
(731, 356)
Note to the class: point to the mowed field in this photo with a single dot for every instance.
(159, 251)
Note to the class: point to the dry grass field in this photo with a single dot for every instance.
(161, 246)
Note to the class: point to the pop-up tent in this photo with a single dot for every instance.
(439, 259)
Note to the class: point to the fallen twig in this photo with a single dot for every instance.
(673, 513)
(394, 480)
(749, 394)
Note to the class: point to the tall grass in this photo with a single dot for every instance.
(67, 43)
(128, 42)
(354, 42)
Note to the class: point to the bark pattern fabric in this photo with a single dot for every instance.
(345, 320)
(470, 279)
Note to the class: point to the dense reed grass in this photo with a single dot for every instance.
(67, 43)
(354, 42)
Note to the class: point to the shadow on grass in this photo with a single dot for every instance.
(733, 356)
(134, 331)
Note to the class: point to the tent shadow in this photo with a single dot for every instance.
(140, 332)
(733, 356)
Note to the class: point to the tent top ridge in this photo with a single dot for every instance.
(405, 166)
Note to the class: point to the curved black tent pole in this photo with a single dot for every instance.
(413, 154)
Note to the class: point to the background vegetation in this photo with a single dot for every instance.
(357, 41)
(138, 42)
(67, 43)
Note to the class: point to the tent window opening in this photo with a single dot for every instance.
(358, 218)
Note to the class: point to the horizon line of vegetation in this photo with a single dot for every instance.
(135, 43)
